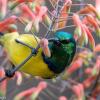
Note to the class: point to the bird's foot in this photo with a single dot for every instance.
(9, 73)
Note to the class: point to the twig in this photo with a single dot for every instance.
(18, 67)
(52, 3)
(38, 46)
(22, 21)
(65, 27)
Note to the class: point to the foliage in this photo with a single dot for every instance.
(82, 77)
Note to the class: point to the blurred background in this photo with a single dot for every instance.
(55, 88)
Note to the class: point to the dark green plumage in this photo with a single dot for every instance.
(62, 51)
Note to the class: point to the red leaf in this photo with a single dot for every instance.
(93, 22)
(32, 91)
(88, 82)
(97, 5)
(8, 21)
(97, 48)
(85, 10)
(92, 8)
(96, 91)
(21, 1)
(90, 37)
(27, 11)
(17, 2)
(96, 67)
(25, 93)
(42, 85)
(84, 34)
(3, 85)
(88, 71)
(80, 30)
(40, 12)
(76, 20)
(79, 91)
(74, 66)
(3, 8)
(62, 98)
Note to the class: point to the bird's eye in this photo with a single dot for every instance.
(65, 41)
(58, 43)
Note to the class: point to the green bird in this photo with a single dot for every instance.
(53, 56)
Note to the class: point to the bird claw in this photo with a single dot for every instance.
(9, 73)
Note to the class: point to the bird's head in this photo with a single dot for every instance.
(63, 48)
(61, 35)
(64, 38)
